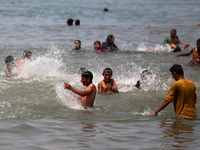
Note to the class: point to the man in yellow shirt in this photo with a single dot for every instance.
(182, 93)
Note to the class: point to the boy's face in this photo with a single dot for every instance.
(198, 46)
(77, 44)
(107, 76)
(176, 40)
(112, 40)
(85, 81)
(173, 33)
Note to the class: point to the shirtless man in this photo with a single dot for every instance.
(108, 84)
(196, 53)
(88, 95)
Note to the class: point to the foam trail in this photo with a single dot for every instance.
(66, 97)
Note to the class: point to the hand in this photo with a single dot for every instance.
(154, 114)
(67, 86)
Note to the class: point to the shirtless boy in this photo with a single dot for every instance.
(196, 53)
(108, 84)
(88, 95)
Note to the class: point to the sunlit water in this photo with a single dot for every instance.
(36, 112)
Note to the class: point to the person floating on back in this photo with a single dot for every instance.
(196, 53)
(88, 95)
(182, 93)
(108, 84)
(10, 64)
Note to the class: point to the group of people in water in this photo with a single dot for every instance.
(182, 92)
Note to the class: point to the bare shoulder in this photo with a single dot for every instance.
(100, 82)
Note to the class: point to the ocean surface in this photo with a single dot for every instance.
(37, 113)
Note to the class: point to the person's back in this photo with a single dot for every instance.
(185, 98)
(88, 100)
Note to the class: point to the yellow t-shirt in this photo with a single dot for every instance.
(183, 94)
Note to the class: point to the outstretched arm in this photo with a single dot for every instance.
(186, 54)
(163, 105)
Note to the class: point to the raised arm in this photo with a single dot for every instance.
(81, 93)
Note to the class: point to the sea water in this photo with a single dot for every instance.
(36, 112)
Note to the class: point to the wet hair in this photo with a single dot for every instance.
(198, 40)
(175, 37)
(9, 59)
(70, 21)
(79, 42)
(146, 72)
(88, 74)
(108, 70)
(109, 37)
(98, 43)
(177, 68)
(77, 22)
(27, 53)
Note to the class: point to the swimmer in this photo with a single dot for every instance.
(88, 95)
(196, 53)
(168, 40)
(109, 45)
(77, 22)
(108, 84)
(106, 9)
(10, 64)
(26, 56)
(70, 22)
(175, 44)
(97, 47)
(145, 75)
(77, 45)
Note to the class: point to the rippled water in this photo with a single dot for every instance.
(36, 112)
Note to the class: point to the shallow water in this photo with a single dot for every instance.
(36, 112)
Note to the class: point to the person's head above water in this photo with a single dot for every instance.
(77, 22)
(9, 59)
(77, 43)
(177, 68)
(97, 45)
(87, 75)
(107, 70)
(175, 40)
(27, 54)
(173, 32)
(110, 39)
(106, 9)
(70, 21)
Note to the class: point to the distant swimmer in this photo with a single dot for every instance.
(108, 84)
(109, 45)
(26, 55)
(70, 22)
(196, 53)
(106, 9)
(175, 44)
(88, 95)
(77, 22)
(77, 45)
(182, 93)
(168, 40)
(97, 47)
(10, 64)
